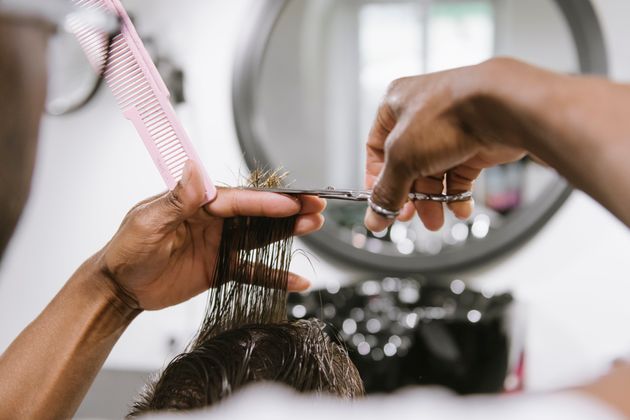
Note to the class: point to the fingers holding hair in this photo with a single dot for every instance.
(173, 207)
(233, 202)
(259, 274)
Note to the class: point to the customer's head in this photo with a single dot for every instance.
(298, 354)
(23, 43)
(245, 336)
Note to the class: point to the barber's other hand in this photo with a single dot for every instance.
(166, 248)
(435, 133)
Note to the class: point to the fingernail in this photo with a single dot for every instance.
(299, 284)
(374, 222)
(304, 284)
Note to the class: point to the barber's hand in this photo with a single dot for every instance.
(166, 248)
(434, 134)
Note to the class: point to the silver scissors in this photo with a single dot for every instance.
(332, 193)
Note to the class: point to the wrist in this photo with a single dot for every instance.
(102, 287)
(525, 99)
(60, 353)
(485, 105)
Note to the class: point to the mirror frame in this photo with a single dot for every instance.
(590, 46)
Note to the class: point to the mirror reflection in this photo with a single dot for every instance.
(328, 64)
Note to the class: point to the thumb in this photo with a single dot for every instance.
(181, 202)
(391, 190)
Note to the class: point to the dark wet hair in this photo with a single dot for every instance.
(245, 336)
(298, 354)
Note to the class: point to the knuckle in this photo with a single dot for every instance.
(173, 200)
(460, 178)
(395, 86)
(140, 218)
(384, 195)
(499, 62)
(235, 205)
(398, 153)
(392, 99)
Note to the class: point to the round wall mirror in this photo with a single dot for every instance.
(310, 75)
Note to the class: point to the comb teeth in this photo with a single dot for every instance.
(139, 91)
(94, 42)
(132, 89)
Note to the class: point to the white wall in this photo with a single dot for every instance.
(92, 168)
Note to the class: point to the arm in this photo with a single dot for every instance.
(438, 132)
(612, 388)
(48, 369)
(163, 254)
(579, 126)
(445, 128)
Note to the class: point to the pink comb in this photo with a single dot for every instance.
(139, 90)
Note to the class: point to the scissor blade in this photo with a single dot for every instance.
(348, 195)
(361, 195)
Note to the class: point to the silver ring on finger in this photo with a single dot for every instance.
(383, 212)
